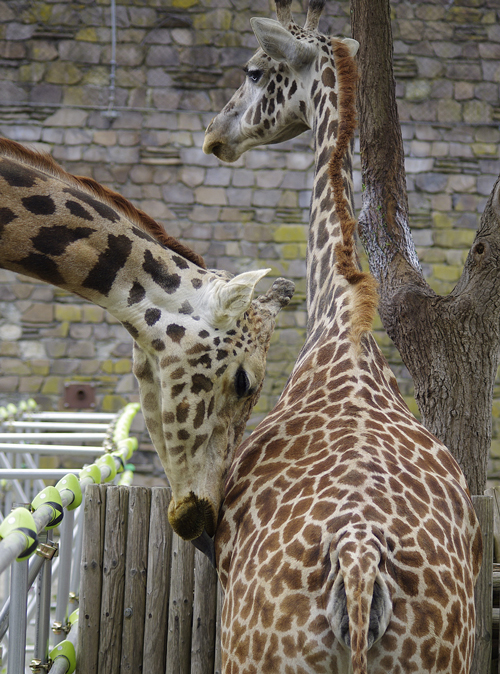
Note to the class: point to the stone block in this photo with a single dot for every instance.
(10, 332)
(485, 184)
(177, 194)
(105, 137)
(30, 384)
(431, 182)
(462, 183)
(38, 313)
(476, 112)
(12, 50)
(221, 177)
(266, 198)
(418, 164)
(453, 238)
(290, 233)
(9, 384)
(11, 93)
(53, 385)
(162, 55)
(446, 272)
(81, 350)
(68, 312)
(60, 72)
(19, 31)
(449, 111)
(67, 117)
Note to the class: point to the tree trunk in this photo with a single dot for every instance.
(449, 344)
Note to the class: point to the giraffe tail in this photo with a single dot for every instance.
(360, 605)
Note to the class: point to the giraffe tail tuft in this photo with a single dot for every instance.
(360, 605)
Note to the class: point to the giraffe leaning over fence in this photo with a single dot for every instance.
(347, 540)
(200, 342)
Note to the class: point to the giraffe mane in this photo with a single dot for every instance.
(365, 285)
(44, 162)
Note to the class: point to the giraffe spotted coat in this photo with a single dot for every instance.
(347, 540)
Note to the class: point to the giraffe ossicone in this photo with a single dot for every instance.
(347, 540)
(200, 339)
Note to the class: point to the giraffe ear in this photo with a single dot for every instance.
(232, 298)
(353, 45)
(280, 44)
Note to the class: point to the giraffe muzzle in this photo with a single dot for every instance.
(192, 516)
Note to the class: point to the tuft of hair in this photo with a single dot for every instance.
(43, 162)
(364, 284)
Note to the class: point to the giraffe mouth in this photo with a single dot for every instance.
(191, 517)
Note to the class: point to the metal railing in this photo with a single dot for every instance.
(34, 510)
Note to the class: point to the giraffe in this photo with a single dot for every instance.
(347, 540)
(200, 342)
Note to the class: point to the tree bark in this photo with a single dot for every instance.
(449, 344)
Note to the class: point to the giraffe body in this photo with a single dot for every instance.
(347, 540)
(200, 341)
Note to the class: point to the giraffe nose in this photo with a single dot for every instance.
(191, 516)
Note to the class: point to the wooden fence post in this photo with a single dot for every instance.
(204, 616)
(483, 593)
(180, 607)
(158, 583)
(136, 568)
(91, 579)
(113, 580)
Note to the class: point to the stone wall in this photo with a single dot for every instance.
(138, 127)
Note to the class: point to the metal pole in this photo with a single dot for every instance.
(17, 631)
(42, 626)
(35, 565)
(74, 586)
(65, 554)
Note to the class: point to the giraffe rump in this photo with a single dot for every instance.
(365, 286)
(43, 162)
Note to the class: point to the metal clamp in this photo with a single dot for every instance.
(36, 666)
(48, 550)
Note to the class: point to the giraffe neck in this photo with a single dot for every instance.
(334, 275)
(56, 230)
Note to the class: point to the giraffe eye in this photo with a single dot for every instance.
(241, 383)
(254, 75)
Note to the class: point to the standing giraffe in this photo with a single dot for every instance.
(347, 540)
(200, 342)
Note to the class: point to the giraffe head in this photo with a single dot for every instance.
(276, 101)
(199, 382)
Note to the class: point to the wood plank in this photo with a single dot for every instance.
(113, 580)
(204, 616)
(218, 625)
(495, 493)
(180, 607)
(134, 600)
(91, 578)
(483, 593)
(158, 583)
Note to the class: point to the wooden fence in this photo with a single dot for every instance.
(150, 602)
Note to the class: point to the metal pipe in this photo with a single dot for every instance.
(42, 627)
(34, 569)
(63, 583)
(57, 437)
(17, 632)
(42, 426)
(58, 450)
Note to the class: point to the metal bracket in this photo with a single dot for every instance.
(37, 666)
(48, 550)
(79, 396)
(59, 628)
